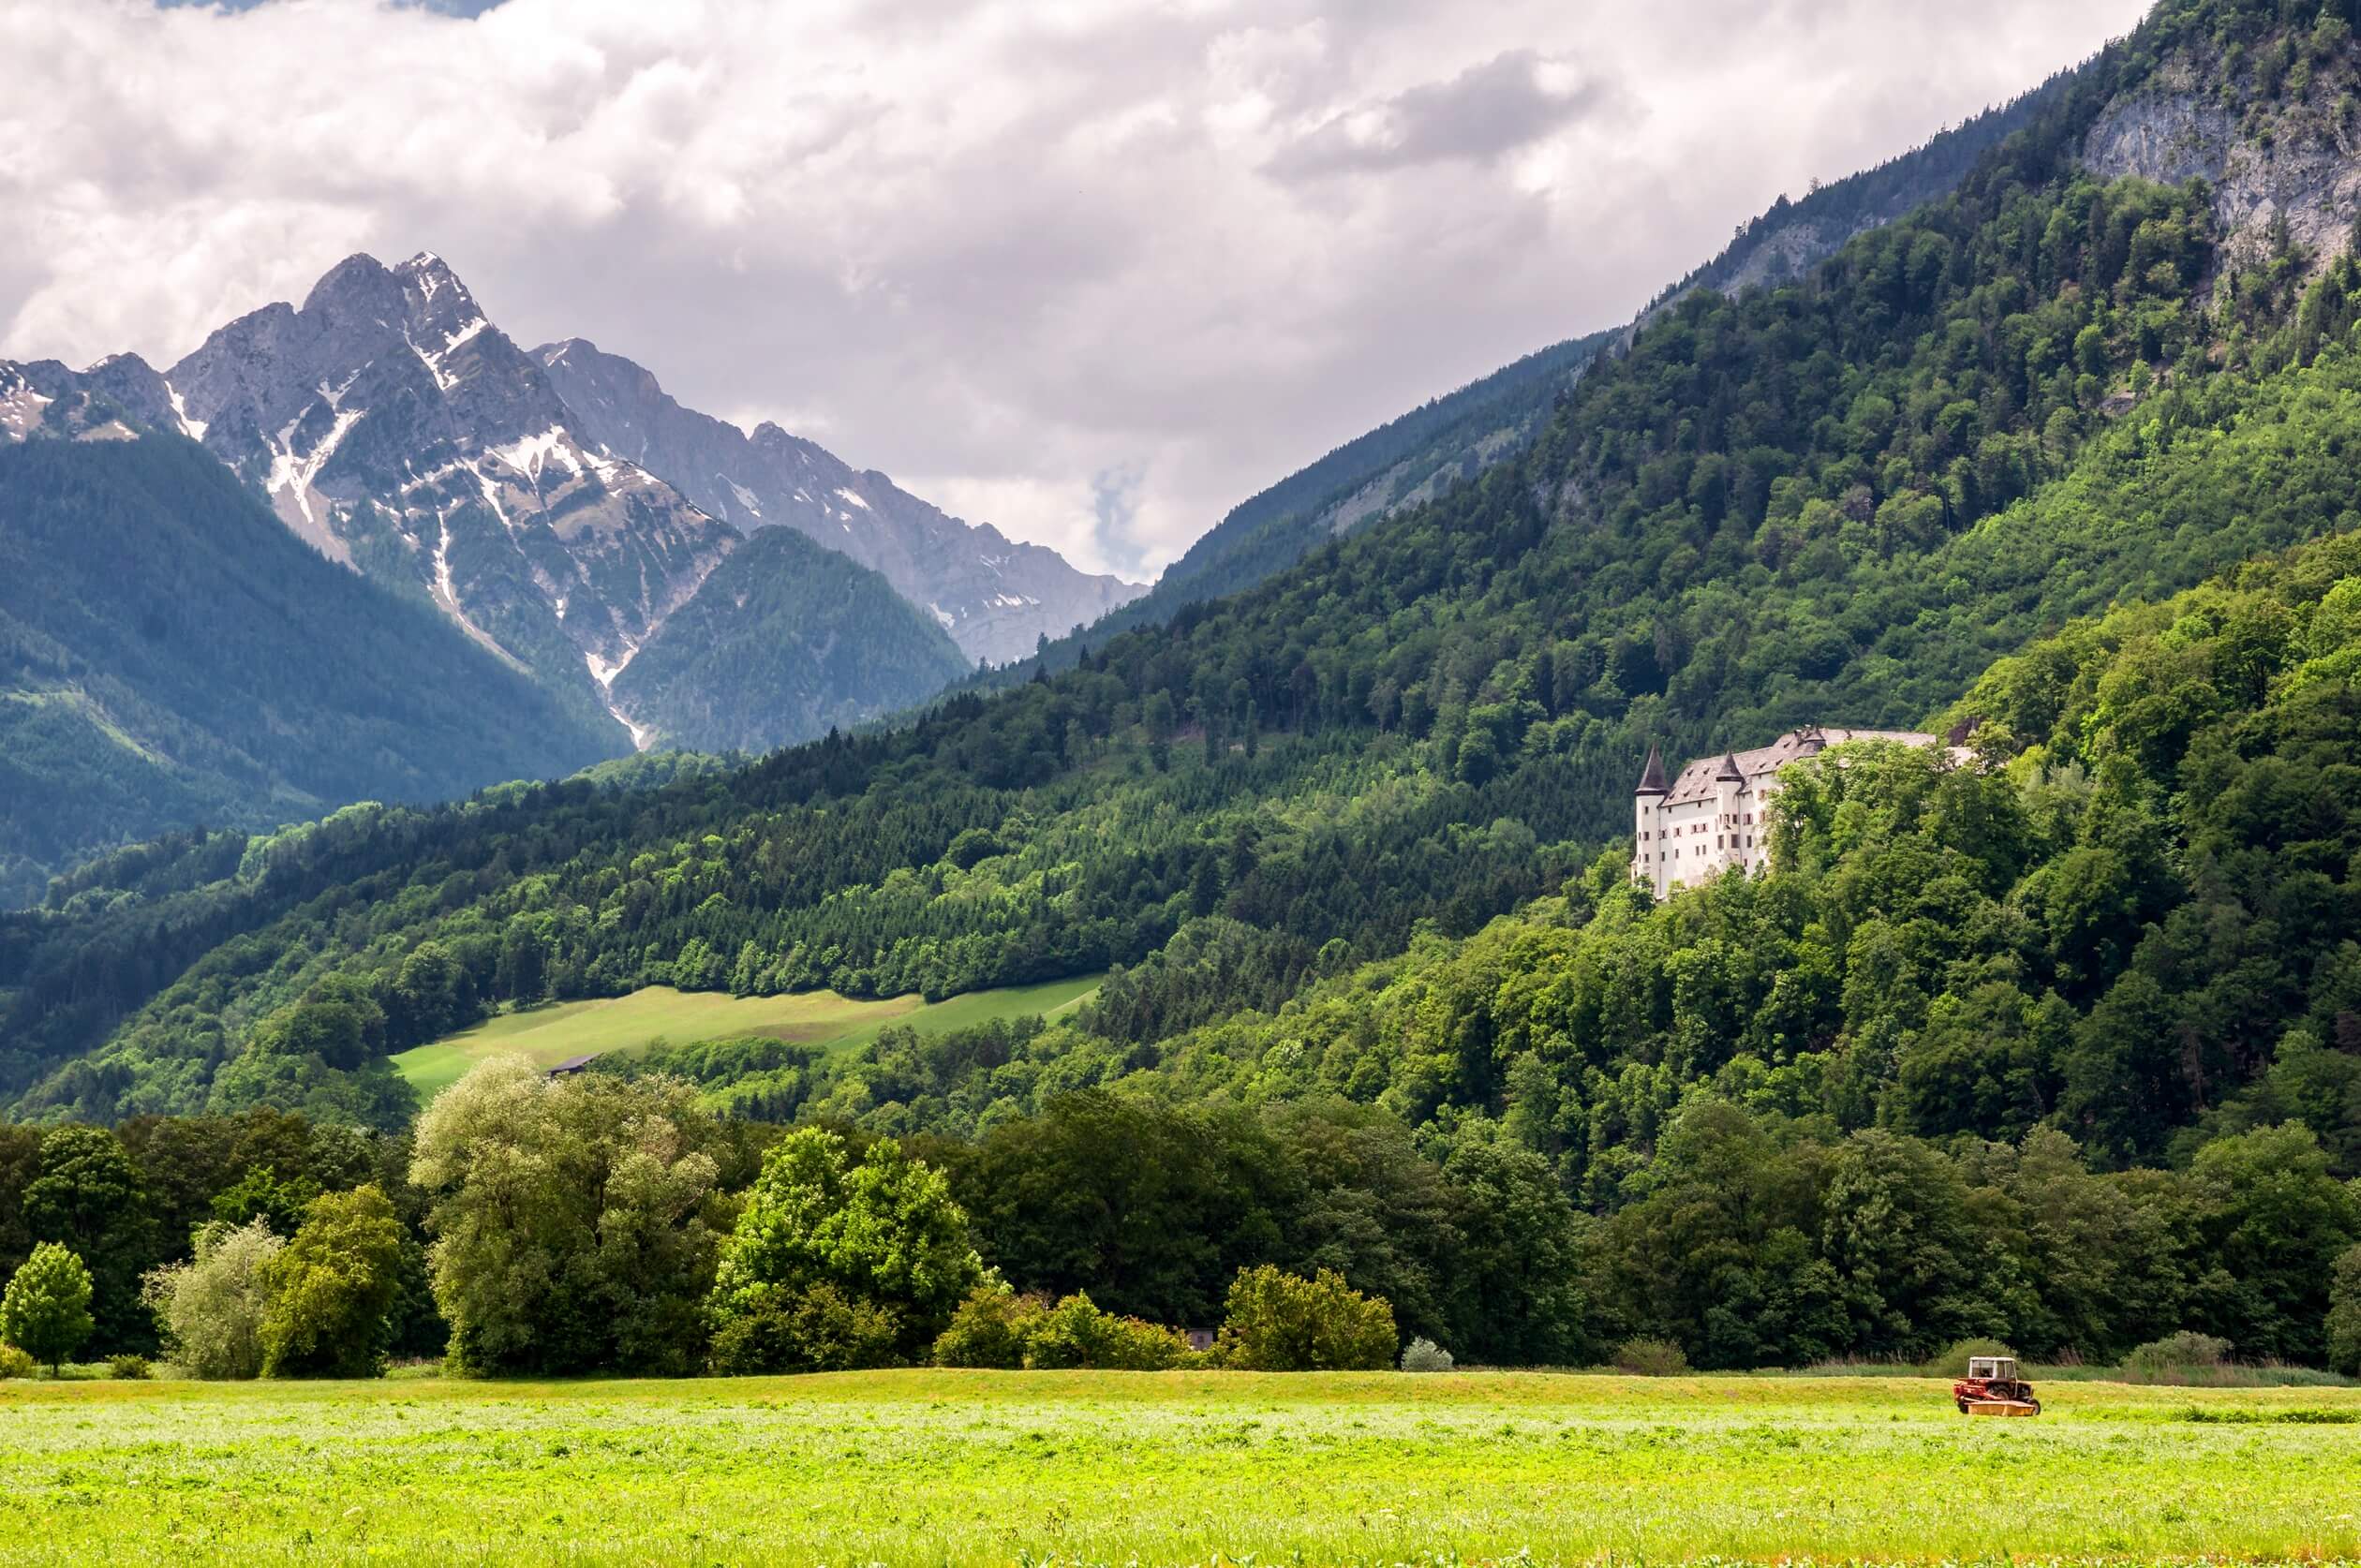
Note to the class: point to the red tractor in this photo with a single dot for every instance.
(1992, 1388)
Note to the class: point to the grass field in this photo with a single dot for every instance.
(958, 1468)
(550, 1034)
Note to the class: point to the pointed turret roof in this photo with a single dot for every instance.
(1651, 776)
(1730, 768)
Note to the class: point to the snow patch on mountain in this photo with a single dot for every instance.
(527, 456)
(193, 429)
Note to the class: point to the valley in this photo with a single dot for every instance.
(778, 1043)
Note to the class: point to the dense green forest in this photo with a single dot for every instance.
(170, 654)
(574, 1226)
(2046, 458)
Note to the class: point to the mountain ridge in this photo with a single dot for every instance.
(996, 597)
(392, 426)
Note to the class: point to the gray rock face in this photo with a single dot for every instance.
(2292, 159)
(398, 431)
(105, 403)
(995, 596)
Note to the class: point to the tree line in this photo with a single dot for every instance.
(603, 1222)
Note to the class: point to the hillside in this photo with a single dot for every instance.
(1841, 500)
(171, 655)
(1402, 464)
(1452, 439)
(784, 641)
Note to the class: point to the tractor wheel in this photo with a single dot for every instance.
(1962, 1407)
(2034, 1402)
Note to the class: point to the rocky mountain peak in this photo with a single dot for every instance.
(396, 428)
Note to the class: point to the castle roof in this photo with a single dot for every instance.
(1651, 776)
(1702, 778)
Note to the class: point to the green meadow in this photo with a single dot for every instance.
(550, 1034)
(959, 1468)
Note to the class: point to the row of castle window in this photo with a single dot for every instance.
(1718, 844)
(1730, 820)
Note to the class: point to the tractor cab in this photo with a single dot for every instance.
(1993, 1380)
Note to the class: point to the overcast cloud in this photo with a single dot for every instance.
(1091, 272)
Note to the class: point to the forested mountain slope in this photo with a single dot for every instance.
(1838, 500)
(783, 638)
(170, 654)
(1784, 244)
(1413, 459)
(2128, 937)
(1402, 464)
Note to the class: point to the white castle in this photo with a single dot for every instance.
(1717, 814)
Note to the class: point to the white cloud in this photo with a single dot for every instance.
(1091, 270)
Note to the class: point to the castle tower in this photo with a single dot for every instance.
(1647, 825)
(1730, 789)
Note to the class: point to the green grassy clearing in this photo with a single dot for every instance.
(958, 1468)
(550, 1034)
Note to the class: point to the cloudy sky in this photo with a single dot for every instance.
(1091, 270)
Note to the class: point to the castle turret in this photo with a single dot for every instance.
(1651, 776)
(1730, 789)
(1647, 825)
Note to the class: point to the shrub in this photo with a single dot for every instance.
(1953, 1361)
(2176, 1354)
(2344, 1313)
(15, 1362)
(1651, 1358)
(882, 1235)
(46, 1307)
(816, 1329)
(1076, 1333)
(755, 1339)
(330, 1289)
(839, 1333)
(1279, 1321)
(211, 1307)
(130, 1368)
(989, 1328)
(1425, 1355)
